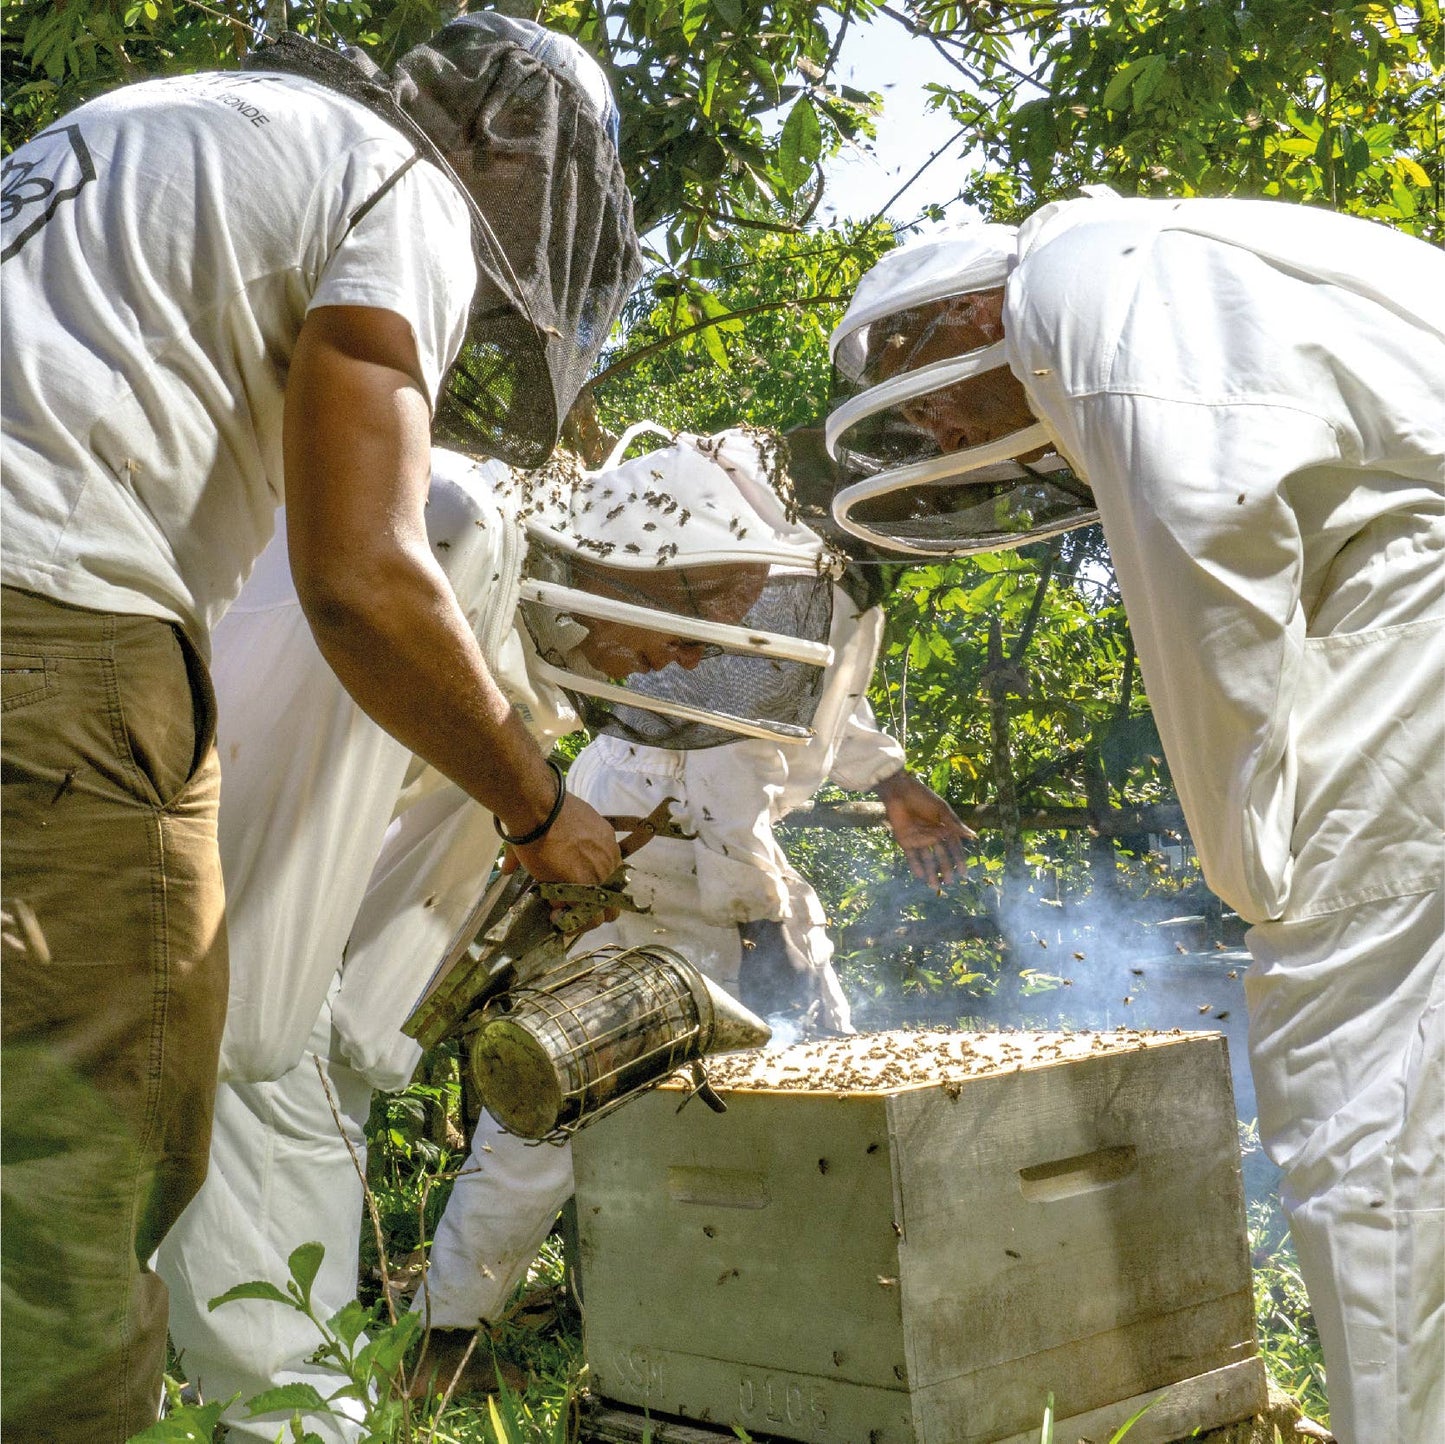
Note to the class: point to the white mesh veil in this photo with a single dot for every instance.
(510, 113)
(894, 375)
(676, 596)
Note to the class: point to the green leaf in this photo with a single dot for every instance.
(1147, 83)
(730, 12)
(349, 1322)
(712, 343)
(713, 308)
(390, 1345)
(800, 144)
(1408, 168)
(304, 1263)
(287, 1398)
(1305, 123)
(1123, 79)
(504, 1435)
(694, 15)
(1131, 1421)
(190, 1424)
(256, 1289)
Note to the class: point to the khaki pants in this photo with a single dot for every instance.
(112, 998)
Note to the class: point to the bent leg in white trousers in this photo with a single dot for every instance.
(1347, 1046)
(502, 1206)
(280, 1176)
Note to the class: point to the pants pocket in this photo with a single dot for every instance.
(167, 710)
(24, 678)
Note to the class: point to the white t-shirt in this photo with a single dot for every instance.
(161, 248)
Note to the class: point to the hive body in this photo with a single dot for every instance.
(852, 1254)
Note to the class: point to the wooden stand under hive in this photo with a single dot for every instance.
(916, 1238)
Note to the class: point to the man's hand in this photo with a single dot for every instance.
(580, 846)
(926, 828)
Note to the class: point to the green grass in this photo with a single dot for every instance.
(551, 1357)
(1287, 1338)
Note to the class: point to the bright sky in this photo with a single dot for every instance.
(878, 56)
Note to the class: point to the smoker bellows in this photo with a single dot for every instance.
(918, 1236)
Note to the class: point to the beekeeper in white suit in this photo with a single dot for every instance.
(349, 865)
(729, 900)
(1254, 393)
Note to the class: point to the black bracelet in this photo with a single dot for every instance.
(537, 832)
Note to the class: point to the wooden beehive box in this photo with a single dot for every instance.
(920, 1236)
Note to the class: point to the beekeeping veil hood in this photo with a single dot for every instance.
(676, 596)
(900, 489)
(523, 122)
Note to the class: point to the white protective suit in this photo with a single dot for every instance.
(328, 853)
(1256, 394)
(510, 1192)
(349, 867)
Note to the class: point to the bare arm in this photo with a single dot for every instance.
(358, 466)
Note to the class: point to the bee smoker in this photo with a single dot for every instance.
(554, 1042)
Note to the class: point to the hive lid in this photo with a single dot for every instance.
(888, 1062)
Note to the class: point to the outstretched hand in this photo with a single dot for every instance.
(926, 828)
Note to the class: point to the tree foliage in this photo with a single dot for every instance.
(1334, 105)
(694, 80)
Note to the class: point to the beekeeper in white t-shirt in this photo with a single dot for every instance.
(220, 291)
(1251, 396)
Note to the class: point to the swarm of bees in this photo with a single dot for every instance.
(903, 1058)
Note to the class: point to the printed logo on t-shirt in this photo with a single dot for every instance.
(37, 180)
(238, 93)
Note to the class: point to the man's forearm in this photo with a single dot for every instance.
(358, 468)
(395, 636)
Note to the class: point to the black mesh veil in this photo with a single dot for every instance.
(741, 684)
(552, 229)
(733, 683)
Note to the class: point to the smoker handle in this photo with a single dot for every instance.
(1084, 1173)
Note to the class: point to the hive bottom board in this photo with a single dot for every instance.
(1180, 1411)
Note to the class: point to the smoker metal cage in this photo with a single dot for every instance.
(550, 1059)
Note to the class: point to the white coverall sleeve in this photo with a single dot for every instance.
(309, 783)
(866, 753)
(433, 868)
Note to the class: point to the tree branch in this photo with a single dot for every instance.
(652, 348)
(748, 223)
(1032, 620)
